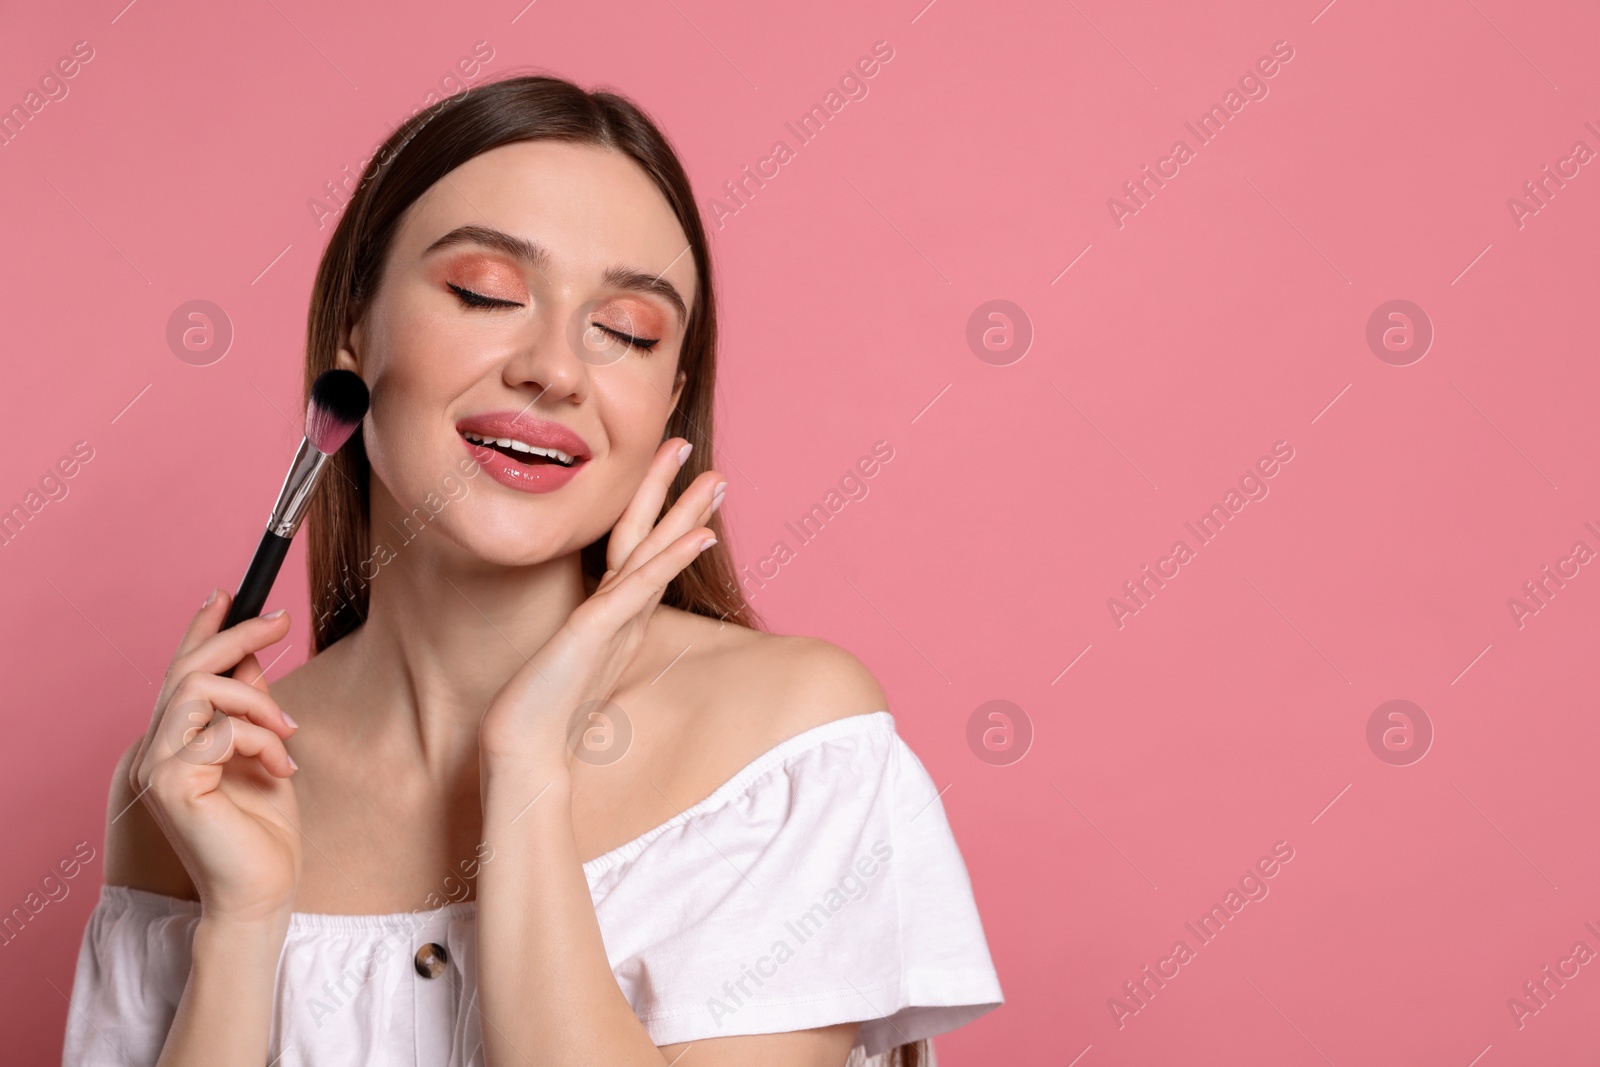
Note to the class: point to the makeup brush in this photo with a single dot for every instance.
(338, 404)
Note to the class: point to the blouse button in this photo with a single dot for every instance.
(430, 960)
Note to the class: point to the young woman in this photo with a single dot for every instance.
(544, 793)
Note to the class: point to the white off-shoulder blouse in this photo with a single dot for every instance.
(819, 885)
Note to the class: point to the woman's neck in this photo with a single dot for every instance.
(443, 633)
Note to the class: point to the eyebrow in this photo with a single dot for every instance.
(538, 257)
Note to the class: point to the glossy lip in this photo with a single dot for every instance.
(541, 433)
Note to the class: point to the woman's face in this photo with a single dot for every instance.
(532, 295)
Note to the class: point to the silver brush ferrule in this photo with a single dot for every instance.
(296, 491)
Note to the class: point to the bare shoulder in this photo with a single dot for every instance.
(797, 682)
(708, 698)
(814, 681)
(138, 854)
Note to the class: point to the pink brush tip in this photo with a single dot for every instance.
(338, 404)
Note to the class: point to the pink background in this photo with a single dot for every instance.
(1229, 313)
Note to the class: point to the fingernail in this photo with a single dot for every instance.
(293, 765)
(210, 599)
(290, 720)
(683, 454)
(716, 500)
(707, 543)
(274, 614)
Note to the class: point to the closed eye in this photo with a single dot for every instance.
(478, 300)
(645, 343)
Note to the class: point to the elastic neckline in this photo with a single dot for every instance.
(742, 780)
(720, 797)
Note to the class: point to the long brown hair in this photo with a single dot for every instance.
(417, 154)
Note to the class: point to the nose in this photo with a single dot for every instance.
(544, 364)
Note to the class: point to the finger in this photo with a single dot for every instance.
(641, 588)
(249, 672)
(233, 697)
(252, 741)
(220, 652)
(197, 768)
(689, 511)
(214, 654)
(202, 625)
(206, 621)
(641, 513)
(193, 709)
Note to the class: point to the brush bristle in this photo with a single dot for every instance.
(338, 404)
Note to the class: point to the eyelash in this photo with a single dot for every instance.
(478, 300)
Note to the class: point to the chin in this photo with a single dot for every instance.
(515, 545)
(514, 536)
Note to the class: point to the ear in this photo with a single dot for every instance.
(348, 357)
(677, 390)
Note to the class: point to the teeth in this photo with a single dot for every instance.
(520, 446)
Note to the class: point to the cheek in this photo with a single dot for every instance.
(417, 370)
(393, 448)
(425, 354)
(634, 398)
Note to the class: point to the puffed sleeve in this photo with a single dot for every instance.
(820, 886)
(132, 967)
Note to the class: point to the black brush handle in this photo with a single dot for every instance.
(258, 579)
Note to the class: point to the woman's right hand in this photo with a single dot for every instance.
(214, 772)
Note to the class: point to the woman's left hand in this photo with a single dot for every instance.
(529, 724)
